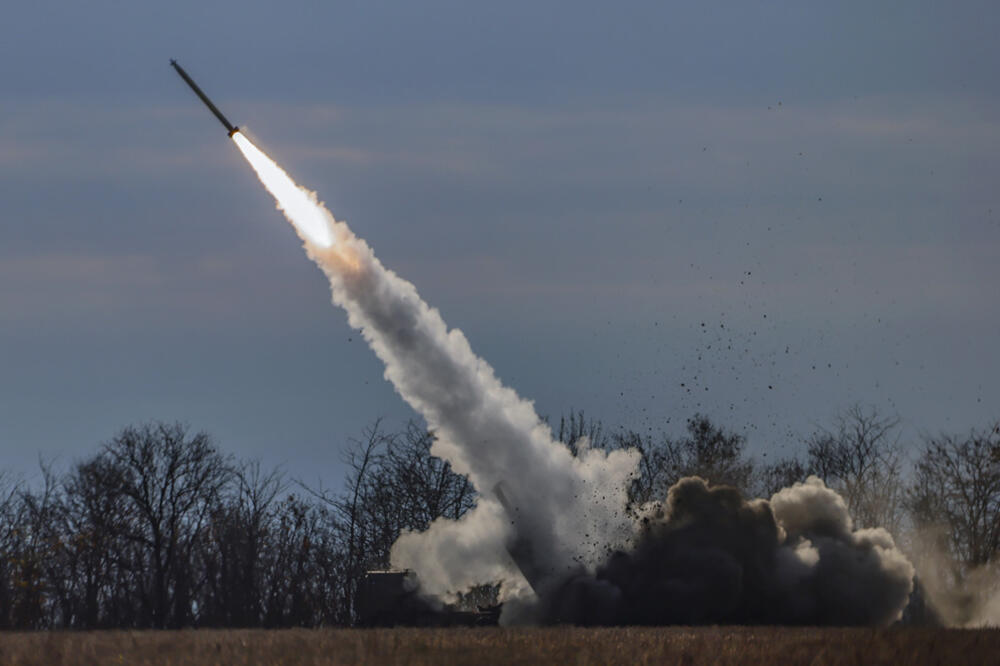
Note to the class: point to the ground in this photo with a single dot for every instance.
(561, 645)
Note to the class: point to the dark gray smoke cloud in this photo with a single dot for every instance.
(709, 556)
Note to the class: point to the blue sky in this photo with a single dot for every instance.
(762, 212)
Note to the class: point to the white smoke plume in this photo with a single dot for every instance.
(705, 555)
(570, 509)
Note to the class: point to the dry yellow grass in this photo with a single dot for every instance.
(561, 645)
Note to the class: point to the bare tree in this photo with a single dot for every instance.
(35, 552)
(861, 459)
(661, 464)
(716, 455)
(304, 568)
(956, 484)
(576, 427)
(708, 451)
(781, 474)
(954, 501)
(91, 576)
(355, 510)
(9, 543)
(170, 481)
(425, 485)
(234, 552)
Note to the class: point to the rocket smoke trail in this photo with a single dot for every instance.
(703, 555)
(484, 429)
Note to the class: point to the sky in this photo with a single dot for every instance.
(763, 212)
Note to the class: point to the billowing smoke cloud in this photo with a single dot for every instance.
(706, 555)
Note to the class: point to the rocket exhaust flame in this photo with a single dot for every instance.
(298, 204)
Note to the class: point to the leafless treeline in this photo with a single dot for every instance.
(161, 529)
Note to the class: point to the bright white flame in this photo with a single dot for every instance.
(298, 204)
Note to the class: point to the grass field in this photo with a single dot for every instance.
(672, 645)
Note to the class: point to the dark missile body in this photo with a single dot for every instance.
(211, 107)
